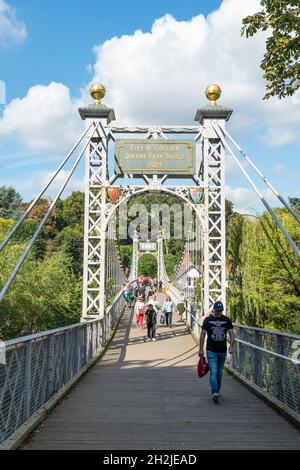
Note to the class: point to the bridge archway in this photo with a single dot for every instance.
(182, 195)
(202, 167)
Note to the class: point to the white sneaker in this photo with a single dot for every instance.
(148, 339)
(215, 398)
(153, 339)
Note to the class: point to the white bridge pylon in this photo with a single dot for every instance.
(208, 178)
(153, 248)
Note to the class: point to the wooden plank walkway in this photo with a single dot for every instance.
(147, 396)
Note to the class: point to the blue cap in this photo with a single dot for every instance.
(218, 306)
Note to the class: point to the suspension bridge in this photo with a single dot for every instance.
(99, 384)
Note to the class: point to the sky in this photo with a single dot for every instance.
(156, 59)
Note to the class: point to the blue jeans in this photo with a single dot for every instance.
(216, 363)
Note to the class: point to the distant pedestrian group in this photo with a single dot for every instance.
(145, 308)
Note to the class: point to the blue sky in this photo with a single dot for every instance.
(56, 49)
(62, 34)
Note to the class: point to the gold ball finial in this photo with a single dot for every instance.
(97, 92)
(213, 93)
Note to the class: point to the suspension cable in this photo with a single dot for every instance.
(274, 191)
(42, 223)
(20, 221)
(270, 210)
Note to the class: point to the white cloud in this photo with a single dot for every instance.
(12, 31)
(75, 183)
(278, 169)
(45, 120)
(246, 200)
(160, 76)
(232, 170)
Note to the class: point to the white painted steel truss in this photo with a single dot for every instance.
(137, 253)
(99, 209)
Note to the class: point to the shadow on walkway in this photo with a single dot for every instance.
(148, 396)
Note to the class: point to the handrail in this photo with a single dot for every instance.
(258, 348)
(41, 366)
(279, 333)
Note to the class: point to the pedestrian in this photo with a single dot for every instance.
(168, 310)
(149, 294)
(133, 301)
(160, 286)
(127, 294)
(139, 310)
(153, 301)
(181, 308)
(142, 291)
(216, 326)
(151, 319)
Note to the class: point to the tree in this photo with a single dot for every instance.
(295, 203)
(44, 295)
(24, 234)
(70, 240)
(228, 210)
(10, 203)
(264, 276)
(281, 61)
(70, 212)
(38, 212)
(147, 266)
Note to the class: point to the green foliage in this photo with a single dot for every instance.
(281, 60)
(70, 212)
(109, 292)
(44, 295)
(148, 266)
(126, 255)
(295, 203)
(228, 210)
(171, 262)
(70, 241)
(47, 291)
(198, 300)
(10, 203)
(264, 275)
(24, 234)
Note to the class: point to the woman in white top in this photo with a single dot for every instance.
(154, 302)
(168, 310)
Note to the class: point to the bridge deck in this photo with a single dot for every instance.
(147, 396)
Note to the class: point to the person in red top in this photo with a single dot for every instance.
(139, 311)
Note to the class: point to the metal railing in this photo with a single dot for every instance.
(270, 361)
(191, 314)
(38, 366)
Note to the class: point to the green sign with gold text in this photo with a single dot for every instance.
(152, 157)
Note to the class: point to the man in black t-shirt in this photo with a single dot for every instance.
(216, 327)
